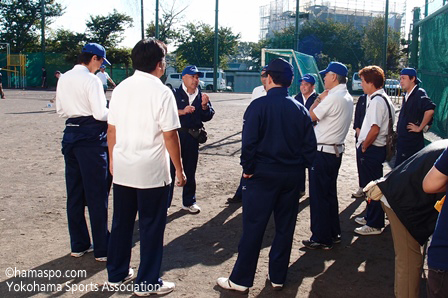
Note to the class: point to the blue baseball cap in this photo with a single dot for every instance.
(337, 68)
(96, 49)
(308, 78)
(410, 72)
(191, 70)
(282, 67)
(264, 68)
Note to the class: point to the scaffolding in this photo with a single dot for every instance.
(280, 14)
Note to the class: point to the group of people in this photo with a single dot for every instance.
(148, 137)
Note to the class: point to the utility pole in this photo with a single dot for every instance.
(42, 35)
(142, 20)
(386, 27)
(215, 60)
(296, 33)
(157, 19)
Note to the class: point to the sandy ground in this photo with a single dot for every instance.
(198, 248)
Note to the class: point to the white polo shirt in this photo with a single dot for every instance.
(80, 93)
(104, 76)
(191, 97)
(335, 115)
(258, 92)
(141, 109)
(377, 113)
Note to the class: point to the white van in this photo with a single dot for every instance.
(174, 80)
(207, 77)
(356, 82)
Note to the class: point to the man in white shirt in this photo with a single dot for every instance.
(80, 98)
(333, 111)
(104, 77)
(143, 125)
(371, 145)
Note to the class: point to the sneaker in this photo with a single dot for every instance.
(227, 284)
(125, 280)
(275, 287)
(193, 208)
(80, 254)
(336, 240)
(234, 199)
(366, 230)
(102, 259)
(316, 245)
(359, 193)
(165, 288)
(361, 220)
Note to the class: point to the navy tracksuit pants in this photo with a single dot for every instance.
(370, 167)
(324, 206)
(265, 193)
(151, 206)
(190, 154)
(88, 183)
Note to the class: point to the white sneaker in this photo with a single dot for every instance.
(276, 287)
(125, 280)
(361, 220)
(80, 254)
(366, 230)
(165, 288)
(227, 284)
(193, 208)
(102, 259)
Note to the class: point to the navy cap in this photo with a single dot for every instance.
(191, 70)
(281, 66)
(264, 68)
(337, 68)
(96, 49)
(410, 72)
(308, 78)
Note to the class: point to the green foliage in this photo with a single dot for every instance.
(68, 42)
(249, 53)
(196, 44)
(119, 56)
(20, 23)
(108, 30)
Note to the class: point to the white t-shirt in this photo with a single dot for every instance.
(258, 92)
(141, 109)
(376, 113)
(80, 93)
(335, 115)
(103, 77)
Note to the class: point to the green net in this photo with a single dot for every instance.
(302, 63)
(433, 67)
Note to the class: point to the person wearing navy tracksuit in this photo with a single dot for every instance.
(80, 98)
(278, 142)
(360, 113)
(416, 113)
(194, 108)
(371, 145)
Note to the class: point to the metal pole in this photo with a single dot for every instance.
(157, 19)
(296, 33)
(413, 61)
(426, 7)
(215, 60)
(42, 38)
(142, 20)
(386, 21)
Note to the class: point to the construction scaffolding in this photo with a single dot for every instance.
(280, 14)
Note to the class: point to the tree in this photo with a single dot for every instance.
(20, 24)
(373, 43)
(196, 45)
(68, 42)
(167, 32)
(249, 53)
(108, 30)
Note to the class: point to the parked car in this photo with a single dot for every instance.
(207, 77)
(174, 80)
(392, 87)
(356, 82)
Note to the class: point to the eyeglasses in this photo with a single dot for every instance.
(264, 75)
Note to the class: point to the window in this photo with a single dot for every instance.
(209, 75)
(175, 76)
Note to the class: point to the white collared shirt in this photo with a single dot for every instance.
(409, 93)
(377, 113)
(335, 115)
(258, 92)
(80, 93)
(141, 109)
(305, 99)
(191, 97)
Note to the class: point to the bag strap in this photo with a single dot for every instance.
(391, 124)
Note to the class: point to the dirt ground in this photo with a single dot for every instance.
(198, 248)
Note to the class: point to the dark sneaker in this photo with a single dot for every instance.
(316, 245)
(234, 199)
(336, 240)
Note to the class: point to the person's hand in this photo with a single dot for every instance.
(188, 110)
(205, 101)
(413, 128)
(246, 176)
(181, 178)
(323, 95)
